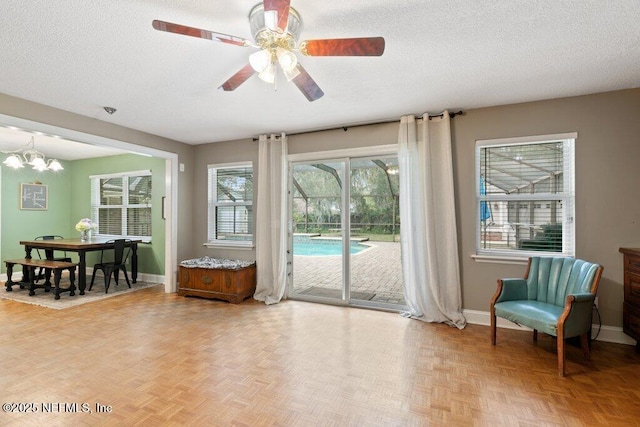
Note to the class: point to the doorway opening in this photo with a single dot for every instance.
(170, 206)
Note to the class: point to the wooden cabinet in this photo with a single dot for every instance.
(225, 284)
(631, 305)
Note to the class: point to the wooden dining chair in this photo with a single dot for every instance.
(49, 254)
(121, 251)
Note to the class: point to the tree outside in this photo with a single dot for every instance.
(373, 204)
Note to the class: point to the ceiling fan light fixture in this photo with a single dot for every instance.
(287, 59)
(268, 74)
(260, 60)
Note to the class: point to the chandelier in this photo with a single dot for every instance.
(28, 155)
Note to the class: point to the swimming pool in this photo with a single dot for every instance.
(324, 247)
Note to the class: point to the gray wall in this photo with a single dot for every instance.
(353, 137)
(607, 177)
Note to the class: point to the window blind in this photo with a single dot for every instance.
(230, 203)
(121, 204)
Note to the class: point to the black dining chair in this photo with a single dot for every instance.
(121, 252)
(49, 254)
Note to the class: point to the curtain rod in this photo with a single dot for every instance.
(346, 128)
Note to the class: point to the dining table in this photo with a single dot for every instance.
(81, 247)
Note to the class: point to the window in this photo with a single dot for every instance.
(525, 196)
(230, 219)
(121, 204)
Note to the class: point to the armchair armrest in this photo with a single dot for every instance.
(576, 318)
(586, 296)
(510, 290)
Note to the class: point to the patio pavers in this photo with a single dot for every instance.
(375, 270)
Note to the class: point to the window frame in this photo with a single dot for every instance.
(96, 206)
(567, 197)
(212, 203)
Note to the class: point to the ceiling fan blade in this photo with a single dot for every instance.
(170, 27)
(361, 46)
(281, 8)
(238, 78)
(307, 85)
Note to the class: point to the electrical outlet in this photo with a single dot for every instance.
(595, 302)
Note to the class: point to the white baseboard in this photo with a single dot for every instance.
(607, 333)
(151, 278)
(143, 277)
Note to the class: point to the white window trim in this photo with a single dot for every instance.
(521, 257)
(527, 139)
(146, 172)
(230, 245)
(372, 151)
(227, 244)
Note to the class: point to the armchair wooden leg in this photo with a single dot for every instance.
(493, 326)
(535, 335)
(584, 343)
(561, 354)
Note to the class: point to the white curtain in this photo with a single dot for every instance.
(271, 219)
(428, 235)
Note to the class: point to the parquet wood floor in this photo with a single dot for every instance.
(161, 359)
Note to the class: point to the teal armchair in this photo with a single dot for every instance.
(556, 297)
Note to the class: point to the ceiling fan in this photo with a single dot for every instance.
(276, 27)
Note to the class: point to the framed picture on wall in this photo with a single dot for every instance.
(34, 197)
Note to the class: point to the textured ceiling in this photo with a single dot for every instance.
(81, 55)
(17, 140)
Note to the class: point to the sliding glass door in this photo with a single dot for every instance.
(376, 274)
(345, 245)
(318, 224)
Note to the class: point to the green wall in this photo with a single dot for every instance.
(70, 201)
(20, 224)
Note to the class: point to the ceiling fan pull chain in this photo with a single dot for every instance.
(275, 80)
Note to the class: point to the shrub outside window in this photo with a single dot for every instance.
(525, 196)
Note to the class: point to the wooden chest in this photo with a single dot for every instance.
(233, 285)
(631, 305)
